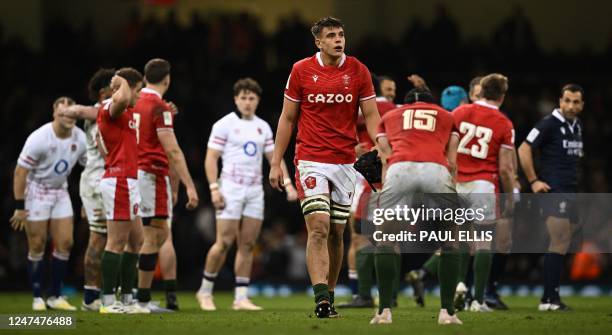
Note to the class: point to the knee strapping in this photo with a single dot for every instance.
(316, 204)
(147, 262)
(340, 213)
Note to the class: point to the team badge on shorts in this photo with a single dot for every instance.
(311, 182)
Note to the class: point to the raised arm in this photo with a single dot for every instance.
(177, 161)
(286, 123)
(80, 112)
(121, 97)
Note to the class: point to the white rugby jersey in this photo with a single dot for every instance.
(242, 143)
(49, 158)
(95, 162)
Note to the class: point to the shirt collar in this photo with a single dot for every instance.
(557, 113)
(320, 59)
(486, 104)
(151, 91)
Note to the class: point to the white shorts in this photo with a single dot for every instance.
(45, 203)
(121, 198)
(241, 200)
(156, 195)
(92, 203)
(480, 194)
(360, 186)
(405, 179)
(335, 180)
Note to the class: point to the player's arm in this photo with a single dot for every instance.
(286, 123)
(451, 153)
(19, 185)
(371, 116)
(287, 183)
(506, 173)
(212, 171)
(80, 112)
(384, 152)
(526, 157)
(177, 161)
(174, 184)
(121, 97)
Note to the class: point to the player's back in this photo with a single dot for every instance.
(417, 132)
(154, 115)
(118, 140)
(483, 131)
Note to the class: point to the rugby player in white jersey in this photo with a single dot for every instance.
(240, 139)
(42, 202)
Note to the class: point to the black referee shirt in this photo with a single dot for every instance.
(560, 144)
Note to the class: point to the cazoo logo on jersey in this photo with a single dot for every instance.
(329, 98)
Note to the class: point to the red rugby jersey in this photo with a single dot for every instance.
(483, 131)
(417, 132)
(155, 116)
(329, 99)
(118, 139)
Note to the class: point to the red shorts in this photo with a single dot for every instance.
(156, 195)
(121, 198)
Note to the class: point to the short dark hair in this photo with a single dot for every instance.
(573, 88)
(420, 94)
(66, 100)
(326, 22)
(100, 80)
(494, 86)
(247, 84)
(156, 70)
(474, 82)
(131, 75)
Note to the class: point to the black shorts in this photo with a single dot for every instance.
(560, 205)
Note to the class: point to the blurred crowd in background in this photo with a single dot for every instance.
(212, 52)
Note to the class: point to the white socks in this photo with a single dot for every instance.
(208, 282)
(242, 288)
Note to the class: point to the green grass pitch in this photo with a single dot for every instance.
(293, 315)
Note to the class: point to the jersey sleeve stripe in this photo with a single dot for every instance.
(32, 159)
(25, 162)
(159, 130)
(220, 139)
(292, 99)
(507, 146)
(381, 135)
(368, 98)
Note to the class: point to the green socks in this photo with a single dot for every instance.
(110, 269)
(321, 292)
(143, 295)
(431, 265)
(482, 268)
(170, 285)
(364, 259)
(464, 264)
(448, 271)
(385, 263)
(128, 271)
(398, 269)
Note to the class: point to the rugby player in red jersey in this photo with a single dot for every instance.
(118, 140)
(485, 157)
(418, 144)
(323, 95)
(158, 149)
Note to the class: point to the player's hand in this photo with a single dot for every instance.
(173, 108)
(174, 198)
(19, 218)
(276, 177)
(360, 149)
(116, 82)
(508, 206)
(217, 199)
(416, 80)
(192, 198)
(540, 187)
(291, 192)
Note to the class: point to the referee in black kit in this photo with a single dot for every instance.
(558, 137)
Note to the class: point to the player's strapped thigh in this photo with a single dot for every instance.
(339, 214)
(316, 204)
